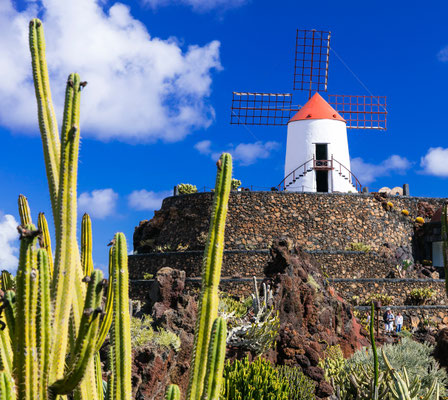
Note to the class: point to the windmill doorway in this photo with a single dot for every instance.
(321, 175)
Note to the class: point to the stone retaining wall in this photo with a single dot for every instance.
(399, 289)
(248, 263)
(316, 221)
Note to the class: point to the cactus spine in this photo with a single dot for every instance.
(211, 274)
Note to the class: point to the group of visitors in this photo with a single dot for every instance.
(389, 319)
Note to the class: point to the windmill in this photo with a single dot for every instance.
(317, 156)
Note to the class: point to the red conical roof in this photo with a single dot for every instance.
(316, 108)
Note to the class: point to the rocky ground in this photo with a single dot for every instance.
(312, 316)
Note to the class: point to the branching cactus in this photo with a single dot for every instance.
(51, 326)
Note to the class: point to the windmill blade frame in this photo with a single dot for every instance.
(256, 108)
(361, 112)
(312, 53)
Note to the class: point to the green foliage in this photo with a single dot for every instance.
(421, 296)
(257, 380)
(300, 386)
(236, 183)
(148, 276)
(230, 308)
(333, 362)
(186, 188)
(358, 246)
(384, 299)
(143, 335)
(415, 357)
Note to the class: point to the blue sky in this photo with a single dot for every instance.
(161, 75)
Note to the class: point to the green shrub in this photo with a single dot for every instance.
(257, 380)
(147, 276)
(358, 246)
(384, 299)
(333, 362)
(142, 335)
(416, 357)
(236, 183)
(186, 188)
(421, 295)
(231, 308)
(300, 386)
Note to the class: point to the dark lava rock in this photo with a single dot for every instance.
(441, 350)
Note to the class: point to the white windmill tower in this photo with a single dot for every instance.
(317, 154)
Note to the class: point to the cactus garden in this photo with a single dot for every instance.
(226, 293)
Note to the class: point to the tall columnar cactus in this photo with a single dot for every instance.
(374, 351)
(445, 241)
(52, 325)
(211, 274)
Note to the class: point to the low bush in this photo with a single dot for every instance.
(405, 212)
(142, 335)
(236, 183)
(419, 296)
(257, 380)
(420, 220)
(186, 188)
(384, 299)
(358, 246)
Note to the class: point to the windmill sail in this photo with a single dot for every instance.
(272, 109)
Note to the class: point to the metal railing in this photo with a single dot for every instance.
(320, 165)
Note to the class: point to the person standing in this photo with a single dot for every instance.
(398, 322)
(390, 320)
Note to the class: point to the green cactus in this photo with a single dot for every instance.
(445, 241)
(375, 353)
(403, 389)
(211, 274)
(257, 380)
(172, 393)
(53, 327)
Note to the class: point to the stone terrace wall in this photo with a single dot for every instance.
(248, 263)
(316, 221)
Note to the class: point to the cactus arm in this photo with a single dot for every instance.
(45, 241)
(111, 389)
(65, 263)
(6, 281)
(99, 376)
(121, 331)
(216, 357)
(10, 313)
(24, 211)
(46, 115)
(43, 319)
(6, 387)
(211, 273)
(86, 245)
(445, 242)
(108, 312)
(85, 344)
(374, 351)
(172, 393)
(25, 362)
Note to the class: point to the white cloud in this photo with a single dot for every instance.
(442, 55)
(99, 203)
(147, 200)
(244, 153)
(141, 88)
(198, 5)
(435, 162)
(8, 242)
(367, 173)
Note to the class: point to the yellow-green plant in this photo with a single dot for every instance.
(421, 296)
(420, 220)
(444, 221)
(358, 246)
(53, 325)
(405, 212)
(186, 188)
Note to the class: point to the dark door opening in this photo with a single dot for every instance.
(322, 175)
